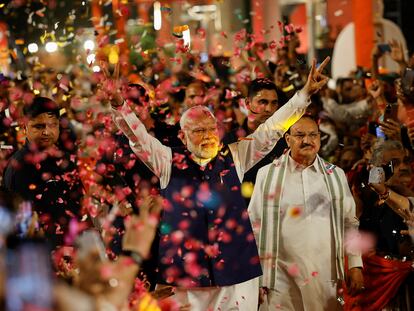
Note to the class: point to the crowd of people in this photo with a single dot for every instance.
(235, 183)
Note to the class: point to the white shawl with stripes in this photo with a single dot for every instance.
(264, 211)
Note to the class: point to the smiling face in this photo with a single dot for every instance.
(304, 140)
(43, 130)
(200, 134)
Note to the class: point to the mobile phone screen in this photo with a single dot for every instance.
(29, 276)
(391, 112)
(23, 218)
(384, 47)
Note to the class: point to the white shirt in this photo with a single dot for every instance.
(306, 229)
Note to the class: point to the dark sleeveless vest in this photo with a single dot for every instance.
(206, 235)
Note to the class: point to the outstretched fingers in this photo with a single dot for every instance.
(312, 70)
(323, 65)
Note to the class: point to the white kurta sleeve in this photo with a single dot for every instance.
(255, 208)
(351, 221)
(149, 150)
(247, 152)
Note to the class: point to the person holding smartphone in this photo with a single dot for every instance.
(386, 203)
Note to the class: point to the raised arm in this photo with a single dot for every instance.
(149, 150)
(248, 152)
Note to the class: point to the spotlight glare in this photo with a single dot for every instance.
(33, 48)
(157, 15)
(51, 47)
(89, 45)
(90, 59)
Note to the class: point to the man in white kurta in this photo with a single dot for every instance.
(299, 208)
(200, 136)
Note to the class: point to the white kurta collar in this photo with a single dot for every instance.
(295, 166)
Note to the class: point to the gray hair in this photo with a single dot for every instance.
(192, 112)
(382, 146)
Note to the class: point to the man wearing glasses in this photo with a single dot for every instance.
(299, 210)
(207, 248)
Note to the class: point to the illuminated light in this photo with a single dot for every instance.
(247, 189)
(187, 37)
(113, 57)
(36, 92)
(89, 45)
(90, 59)
(51, 47)
(148, 303)
(33, 48)
(96, 69)
(157, 15)
(331, 84)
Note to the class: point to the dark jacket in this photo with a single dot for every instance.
(206, 235)
(50, 183)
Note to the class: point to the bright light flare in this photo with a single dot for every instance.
(51, 47)
(33, 48)
(157, 15)
(89, 45)
(90, 59)
(187, 37)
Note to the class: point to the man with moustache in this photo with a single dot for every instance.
(300, 208)
(207, 248)
(44, 174)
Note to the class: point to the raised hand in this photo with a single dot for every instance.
(140, 230)
(112, 86)
(391, 128)
(316, 80)
(376, 89)
(397, 51)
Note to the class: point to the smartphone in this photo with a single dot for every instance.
(388, 170)
(391, 112)
(376, 175)
(203, 57)
(28, 275)
(6, 221)
(383, 47)
(379, 133)
(380, 174)
(24, 218)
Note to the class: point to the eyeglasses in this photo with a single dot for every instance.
(203, 131)
(301, 136)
